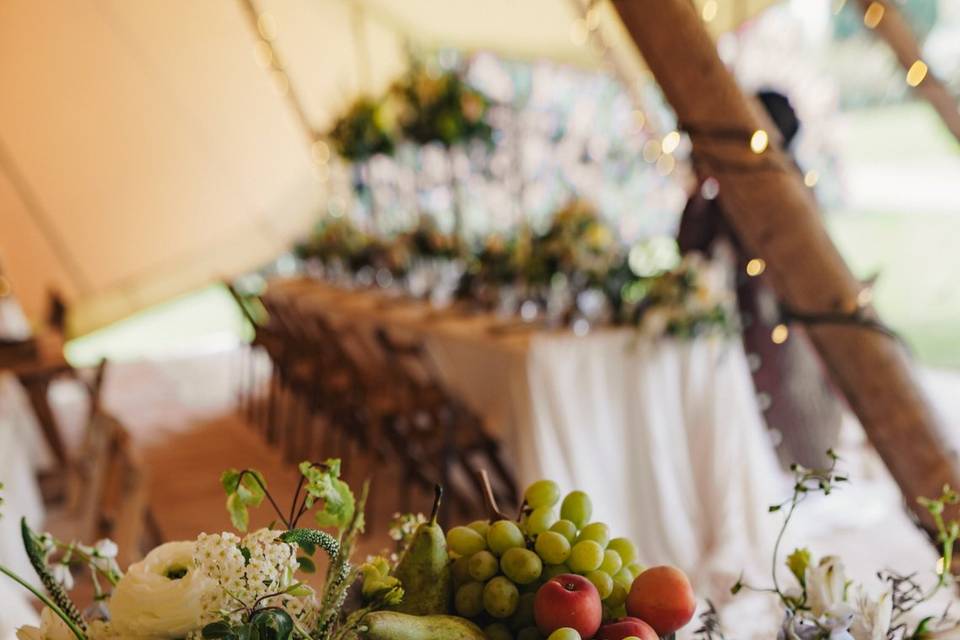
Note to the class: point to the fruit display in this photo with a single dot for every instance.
(552, 573)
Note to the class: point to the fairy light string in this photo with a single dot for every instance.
(264, 25)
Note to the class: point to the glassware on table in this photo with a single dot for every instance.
(447, 276)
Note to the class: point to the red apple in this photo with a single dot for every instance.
(568, 600)
(626, 627)
(663, 598)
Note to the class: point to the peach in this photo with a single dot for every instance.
(663, 598)
(626, 628)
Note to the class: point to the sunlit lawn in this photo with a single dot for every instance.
(917, 260)
(906, 156)
(200, 321)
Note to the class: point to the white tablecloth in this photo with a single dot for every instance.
(665, 435)
(22, 452)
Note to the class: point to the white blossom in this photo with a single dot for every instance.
(254, 569)
(62, 574)
(874, 617)
(160, 597)
(826, 585)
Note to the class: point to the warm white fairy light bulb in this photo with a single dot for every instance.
(759, 141)
(916, 73)
(780, 334)
(670, 142)
(709, 11)
(873, 15)
(755, 267)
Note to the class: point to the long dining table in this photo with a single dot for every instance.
(664, 434)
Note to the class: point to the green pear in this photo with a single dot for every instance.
(424, 569)
(389, 625)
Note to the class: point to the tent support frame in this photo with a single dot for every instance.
(775, 216)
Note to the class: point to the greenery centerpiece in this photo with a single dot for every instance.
(551, 571)
(578, 255)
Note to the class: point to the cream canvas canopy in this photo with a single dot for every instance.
(145, 152)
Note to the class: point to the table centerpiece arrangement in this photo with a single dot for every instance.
(575, 273)
(550, 572)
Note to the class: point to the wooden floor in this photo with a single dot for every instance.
(184, 476)
(187, 498)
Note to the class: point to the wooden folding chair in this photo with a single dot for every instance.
(106, 489)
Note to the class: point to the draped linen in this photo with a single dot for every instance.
(22, 453)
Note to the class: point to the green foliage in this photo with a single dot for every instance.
(244, 489)
(310, 539)
(266, 624)
(797, 562)
(441, 107)
(366, 129)
(947, 532)
(340, 576)
(324, 484)
(57, 593)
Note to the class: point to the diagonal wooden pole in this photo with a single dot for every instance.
(888, 22)
(776, 217)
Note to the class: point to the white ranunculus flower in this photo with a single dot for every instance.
(873, 616)
(826, 585)
(160, 596)
(51, 628)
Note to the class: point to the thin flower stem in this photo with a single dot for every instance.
(97, 589)
(80, 635)
(259, 600)
(293, 506)
(776, 546)
(276, 507)
(72, 549)
(296, 514)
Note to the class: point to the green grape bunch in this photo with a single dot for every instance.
(498, 565)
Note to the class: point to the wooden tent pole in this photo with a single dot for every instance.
(775, 216)
(886, 19)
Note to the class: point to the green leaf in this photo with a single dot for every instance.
(229, 479)
(251, 488)
(797, 562)
(244, 489)
(299, 590)
(324, 484)
(271, 624)
(220, 629)
(239, 516)
(922, 628)
(306, 564)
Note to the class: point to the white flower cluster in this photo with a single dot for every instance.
(838, 610)
(255, 570)
(691, 293)
(404, 525)
(100, 557)
(179, 587)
